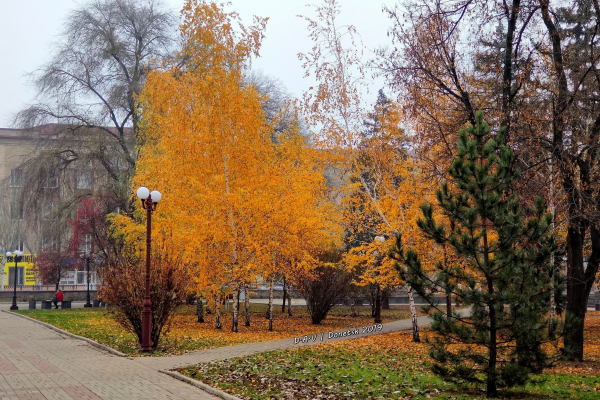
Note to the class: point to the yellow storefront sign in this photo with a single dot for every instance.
(27, 264)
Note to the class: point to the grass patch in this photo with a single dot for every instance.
(387, 366)
(95, 324)
(185, 334)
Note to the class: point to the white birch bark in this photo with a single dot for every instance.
(218, 312)
(247, 303)
(271, 304)
(413, 313)
(236, 304)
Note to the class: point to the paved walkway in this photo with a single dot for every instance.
(38, 363)
(197, 357)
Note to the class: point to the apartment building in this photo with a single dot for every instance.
(44, 173)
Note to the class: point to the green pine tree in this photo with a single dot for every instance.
(508, 279)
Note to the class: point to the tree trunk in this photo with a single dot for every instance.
(247, 304)
(491, 389)
(372, 299)
(413, 313)
(289, 299)
(579, 279)
(218, 312)
(270, 311)
(552, 209)
(385, 299)
(284, 296)
(200, 310)
(2, 273)
(576, 294)
(236, 306)
(448, 304)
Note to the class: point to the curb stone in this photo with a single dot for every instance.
(200, 385)
(90, 341)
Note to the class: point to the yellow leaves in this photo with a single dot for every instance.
(240, 199)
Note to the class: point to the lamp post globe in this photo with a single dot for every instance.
(143, 193)
(155, 196)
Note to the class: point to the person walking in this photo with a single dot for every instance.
(58, 297)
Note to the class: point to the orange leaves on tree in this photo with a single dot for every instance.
(239, 201)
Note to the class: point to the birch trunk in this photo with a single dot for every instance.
(236, 305)
(218, 312)
(247, 304)
(284, 296)
(289, 298)
(200, 310)
(270, 311)
(413, 313)
(2, 264)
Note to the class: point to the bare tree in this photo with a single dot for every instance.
(11, 230)
(532, 65)
(88, 90)
(275, 103)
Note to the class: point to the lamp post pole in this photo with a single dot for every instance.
(17, 254)
(88, 304)
(149, 205)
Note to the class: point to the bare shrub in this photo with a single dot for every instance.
(124, 290)
(326, 287)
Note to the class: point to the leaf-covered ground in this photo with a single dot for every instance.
(185, 334)
(382, 367)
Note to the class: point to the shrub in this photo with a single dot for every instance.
(124, 290)
(326, 287)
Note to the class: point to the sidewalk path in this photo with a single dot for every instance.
(39, 363)
(202, 356)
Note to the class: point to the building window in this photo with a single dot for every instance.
(16, 210)
(16, 177)
(48, 211)
(117, 162)
(49, 244)
(84, 180)
(85, 245)
(51, 180)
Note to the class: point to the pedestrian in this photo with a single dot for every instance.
(58, 297)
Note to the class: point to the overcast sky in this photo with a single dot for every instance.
(29, 27)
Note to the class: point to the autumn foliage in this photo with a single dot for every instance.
(241, 201)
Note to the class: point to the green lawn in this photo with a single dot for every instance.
(381, 367)
(96, 324)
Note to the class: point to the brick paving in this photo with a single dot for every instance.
(39, 363)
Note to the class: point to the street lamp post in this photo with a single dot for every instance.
(17, 255)
(88, 304)
(149, 202)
